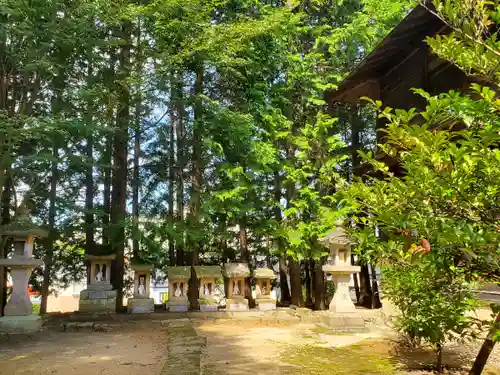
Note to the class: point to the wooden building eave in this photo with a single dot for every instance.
(408, 36)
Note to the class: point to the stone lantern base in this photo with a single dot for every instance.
(20, 324)
(141, 305)
(177, 304)
(208, 304)
(265, 304)
(98, 298)
(236, 304)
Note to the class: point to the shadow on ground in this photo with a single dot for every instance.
(240, 349)
(126, 351)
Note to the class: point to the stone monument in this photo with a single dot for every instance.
(99, 296)
(18, 311)
(141, 303)
(178, 279)
(209, 277)
(340, 268)
(236, 273)
(263, 288)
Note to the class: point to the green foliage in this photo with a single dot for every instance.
(433, 303)
(438, 224)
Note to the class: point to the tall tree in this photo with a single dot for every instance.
(120, 167)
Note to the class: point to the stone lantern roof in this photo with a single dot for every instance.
(337, 236)
(181, 273)
(22, 226)
(236, 270)
(206, 272)
(264, 273)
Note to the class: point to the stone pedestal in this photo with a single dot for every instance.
(341, 301)
(263, 289)
(99, 297)
(236, 273)
(141, 303)
(20, 324)
(18, 311)
(178, 279)
(209, 277)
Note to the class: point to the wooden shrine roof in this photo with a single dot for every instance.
(397, 46)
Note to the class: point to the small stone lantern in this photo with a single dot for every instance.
(263, 288)
(178, 280)
(18, 311)
(99, 296)
(141, 303)
(340, 268)
(236, 273)
(209, 277)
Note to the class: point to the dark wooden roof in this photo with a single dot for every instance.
(408, 35)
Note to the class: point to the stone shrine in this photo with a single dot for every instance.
(236, 273)
(263, 288)
(178, 279)
(340, 268)
(209, 277)
(99, 295)
(141, 303)
(18, 312)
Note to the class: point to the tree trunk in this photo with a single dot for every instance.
(439, 358)
(89, 178)
(106, 193)
(6, 205)
(245, 258)
(171, 168)
(319, 285)
(376, 304)
(136, 180)
(285, 299)
(296, 282)
(108, 155)
(51, 239)
(486, 349)
(309, 302)
(365, 288)
(355, 146)
(356, 280)
(196, 177)
(119, 193)
(135, 187)
(179, 250)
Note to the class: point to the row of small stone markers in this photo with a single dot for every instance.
(100, 296)
(211, 280)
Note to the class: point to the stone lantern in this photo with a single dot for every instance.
(18, 311)
(340, 268)
(209, 277)
(263, 289)
(178, 280)
(141, 303)
(99, 296)
(236, 273)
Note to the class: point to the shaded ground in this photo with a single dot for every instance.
(237, 348)
(125, 352)
(249, 346)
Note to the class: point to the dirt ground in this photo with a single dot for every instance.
(302, 349)
(124, 352)
(227, 347)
